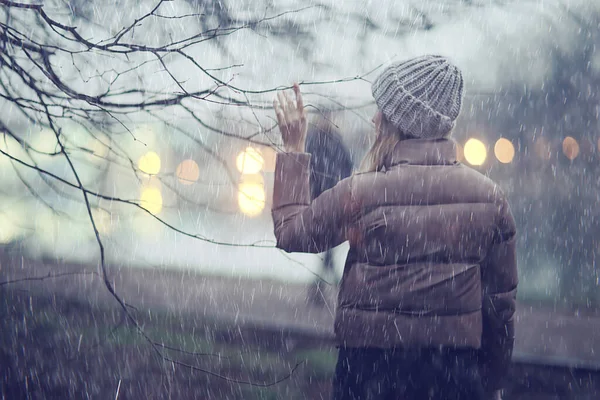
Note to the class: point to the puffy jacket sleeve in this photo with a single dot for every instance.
(499, 283)
(302, 225)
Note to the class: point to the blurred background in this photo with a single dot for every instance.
(530, 121)
(161, 114)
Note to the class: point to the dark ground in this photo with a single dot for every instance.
(58, 348)
(65, 338)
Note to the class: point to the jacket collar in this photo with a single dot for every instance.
(423, 152)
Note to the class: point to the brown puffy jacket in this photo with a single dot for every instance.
(432, 251)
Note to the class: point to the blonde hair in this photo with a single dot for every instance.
(385, 143)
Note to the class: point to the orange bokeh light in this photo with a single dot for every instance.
(570, 148)
(504, 150)
(188, 172)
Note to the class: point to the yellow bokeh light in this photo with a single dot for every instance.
(251, 195)
(151, 199)
(149, 163)
(504, 150)
(570, 148)
(249, 161)
(475, 152)
(188, 172)
(269, 155)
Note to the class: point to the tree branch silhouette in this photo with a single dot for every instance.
(49, 73)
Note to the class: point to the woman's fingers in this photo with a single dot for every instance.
(282, 101)
(287, 107)
(279, 113)
(290, 102)
(299, 101)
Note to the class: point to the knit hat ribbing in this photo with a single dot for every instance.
(422, 97)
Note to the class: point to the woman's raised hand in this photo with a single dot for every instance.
(291, 119)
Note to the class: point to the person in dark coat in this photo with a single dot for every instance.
(427, 299)
(330, 163)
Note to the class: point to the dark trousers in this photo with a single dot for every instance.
(421, 374)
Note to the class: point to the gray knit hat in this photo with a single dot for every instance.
(422, 97)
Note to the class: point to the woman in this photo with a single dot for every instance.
(426, 301)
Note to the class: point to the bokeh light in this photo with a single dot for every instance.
(251, 195)
(249, 161)
(570, 148)
(149, 163)
(475, 152)
(151, 199)
(188, 172)
(269, 156)
(504, 150)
